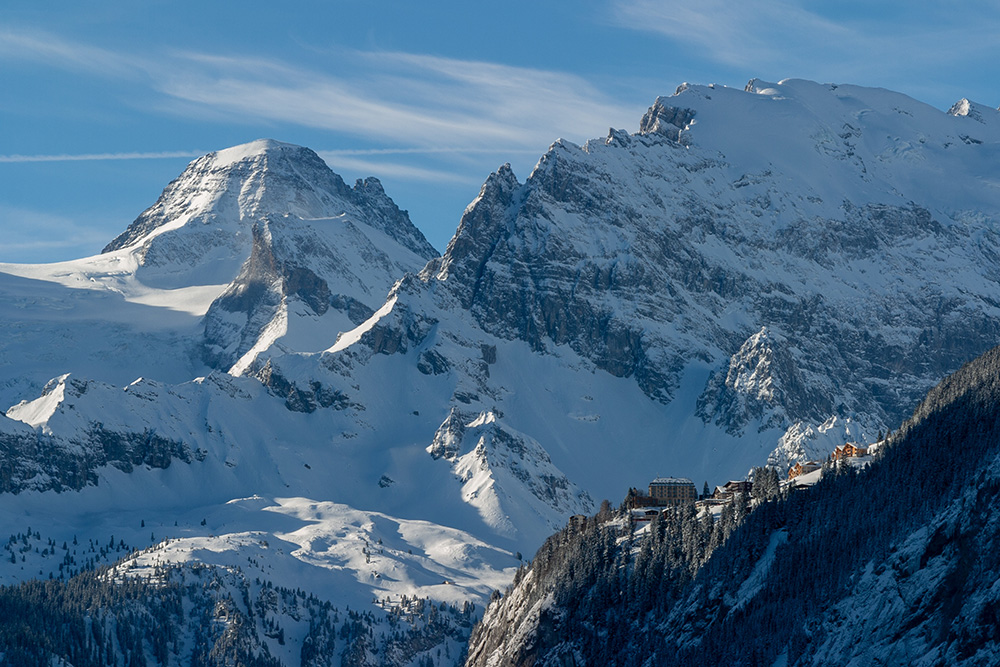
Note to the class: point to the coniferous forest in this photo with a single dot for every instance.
(201, 616)
(884, 565)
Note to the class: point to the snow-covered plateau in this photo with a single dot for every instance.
(272, 370)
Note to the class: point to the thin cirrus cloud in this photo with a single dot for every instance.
(340, 161)
(734, 33)
(28, 231)
(356, 160)
(407, 99)
(893, 39)
(54, 51)
(84, 157)
(399, 97)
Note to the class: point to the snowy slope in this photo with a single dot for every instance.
(93, 316)
(251, 245)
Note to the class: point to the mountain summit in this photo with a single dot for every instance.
(210, 208)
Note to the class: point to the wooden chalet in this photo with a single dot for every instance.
(731, 488)
(803, 468)
(849, 450)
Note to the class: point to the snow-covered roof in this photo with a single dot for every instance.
(671, 481)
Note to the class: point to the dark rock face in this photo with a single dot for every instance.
(236, 320)
(432, 363)
(633, 251)
(447, 443)
(356, 311)
(666, 119)
(34, 460)
(384, 215)
(37, 462)
(307, 397)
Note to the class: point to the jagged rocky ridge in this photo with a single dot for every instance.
(894, 565)
(789, 274)
(788, 249)
(207, 616)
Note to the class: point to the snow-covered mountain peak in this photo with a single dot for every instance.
(40, 410)
(483, 222)
(242, 182)
(711, 246)
(975, 111)
(252, 151)
(249, 245)
(200, 227)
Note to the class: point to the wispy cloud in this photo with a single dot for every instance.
(37, 46)
(353, 160)
(411, 100)
(900, 41)
(83, 157)
(31, 235)
(429, 150)
(340, 161)
(467, 166)
(734, 33)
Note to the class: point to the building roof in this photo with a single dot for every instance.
(671, 480)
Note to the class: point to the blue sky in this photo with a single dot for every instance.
(103, 103)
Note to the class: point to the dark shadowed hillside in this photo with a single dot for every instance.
(895, 565)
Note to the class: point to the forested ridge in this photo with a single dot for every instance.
(919, 527)
(203, 616)
(97, 619)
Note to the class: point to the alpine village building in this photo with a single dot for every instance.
(664, 492)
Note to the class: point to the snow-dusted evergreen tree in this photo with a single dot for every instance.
(765, 484)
